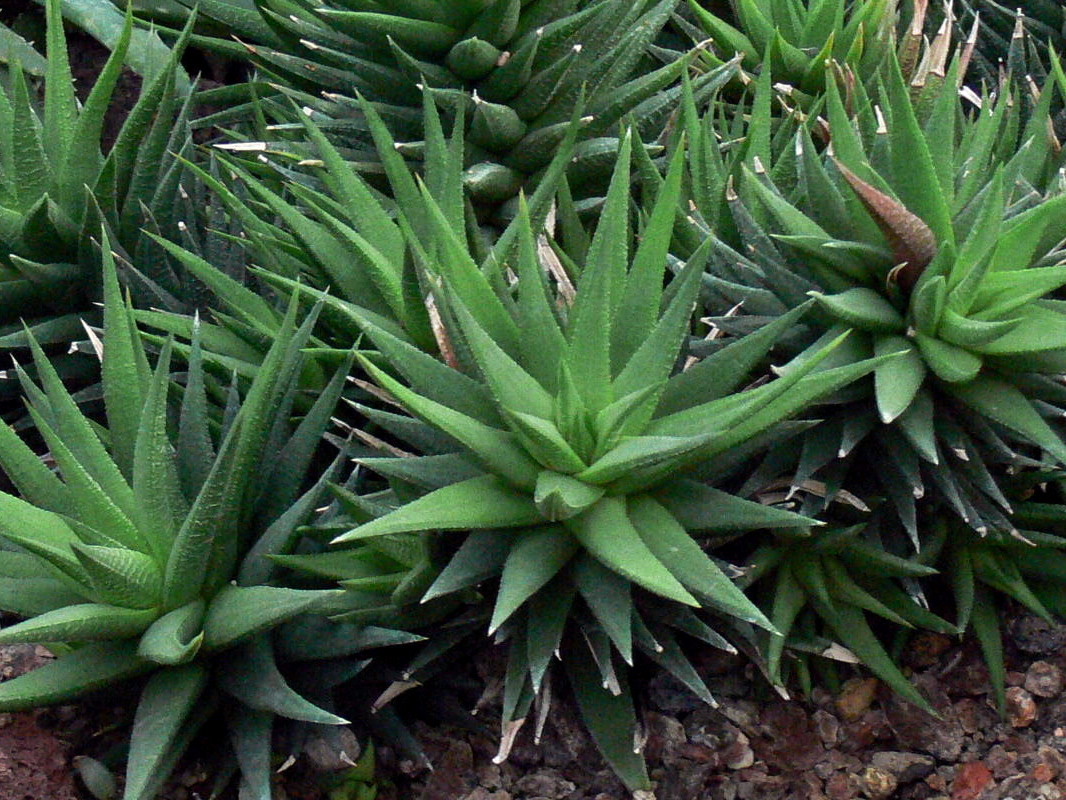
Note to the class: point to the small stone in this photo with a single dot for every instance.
(937, 782)
(481, 793)
(489, 775)
(1037, 636)
(856, 695)
(1014, 678)
(546, 783)
(916, 730)
(1043, 679)
(1021, 708)
(1042, 773)
(925, 649)
(739, 754)
(666, 735)
(841, 786)
(970, 780)
(1001, 761)
(700, 753)
(877, 784)
(906, 767)
(828, 727)
(974, 716)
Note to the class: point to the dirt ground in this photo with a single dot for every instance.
(859, 743)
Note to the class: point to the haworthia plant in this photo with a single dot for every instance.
(563, 469)
(148, 553)
(508, 71)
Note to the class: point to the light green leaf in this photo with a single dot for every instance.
(175, 637)
(121, 576)
(685, 559)
(84, 670)
(535, 558)
(897, 380)
(560, 497)
(606, 531)
(166, 702)
(482, 502)
(239, 612)
(85, 622)
(862, 308)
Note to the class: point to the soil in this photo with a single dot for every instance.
(860, 742)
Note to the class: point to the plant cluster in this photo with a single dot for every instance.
(614, 330)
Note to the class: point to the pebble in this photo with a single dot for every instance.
(828, 727)
(970, 780)
(906, 767)
(481, 793)
(877, 784)
(855, 697)
(1043, 679)
(1021, 708)
(547, 783)
(739, 754)
(1037, 636)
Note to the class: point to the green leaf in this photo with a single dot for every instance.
(166, 702)
(854, 632)
(497, 449)
(560, 497)
(161, 506)
(609, 718)
(480, 557)
(121, 576)
(862, 308)
(84, 670)
(13, 48)
(175, 637)
(948, 362)
(482, 502)
(251, 675)
(513, 388)
(985, 622)
(723, 371)
(39, 531)
(608, 596)
(644, 286)
(544, 442)
(675, 548)
(698, 507)
(147, 55)
(239, 612)
(125, 370)
(606, 531)
(897, 380)
(85, 622)
(535, 558)
(1004, 404)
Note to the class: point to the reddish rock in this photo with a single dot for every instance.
(1042, 773)
(970, 780)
